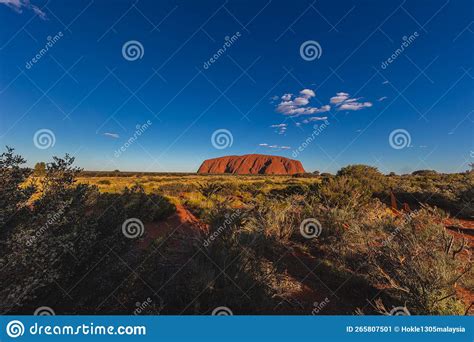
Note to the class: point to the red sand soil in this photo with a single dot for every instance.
(182, 220)
(462, 228)
(252, 164)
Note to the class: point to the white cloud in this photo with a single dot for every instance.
(315, 118)
(299, 105)
(355, 105)
(275, 147)
(385, 82)
(383, 98)
(350, 100)
(307, 93)
(340, 97)
(111, 135)
(344, 102)
(18, 6)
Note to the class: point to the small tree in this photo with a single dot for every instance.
(13, 197)
(55, 240)
(40, 169)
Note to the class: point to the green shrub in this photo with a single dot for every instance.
(343, 192)
(368, 176)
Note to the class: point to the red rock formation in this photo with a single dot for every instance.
(252, 164)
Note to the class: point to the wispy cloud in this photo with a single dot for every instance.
(383, 98)
(19, 5)
(111, 135)
(315, 118)
(344, 102)
(355, 105)
(276, 147)
(299, 105)
(280, 128)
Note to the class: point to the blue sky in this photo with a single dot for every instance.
(91, 94)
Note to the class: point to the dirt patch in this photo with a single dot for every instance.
(182, 220)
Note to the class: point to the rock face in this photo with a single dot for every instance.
(252, 164)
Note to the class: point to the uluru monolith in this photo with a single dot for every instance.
(252, 164)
